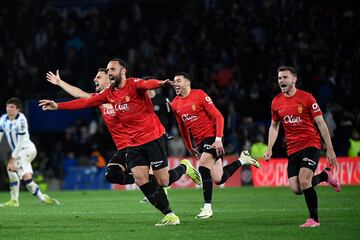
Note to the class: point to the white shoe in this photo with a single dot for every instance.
(248, 160)
(205, 213)
(144, 200)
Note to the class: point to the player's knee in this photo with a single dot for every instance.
(113, 175)
(162, 181)
(141, 181)
(304, 183)
(27, 176)
(296, 190)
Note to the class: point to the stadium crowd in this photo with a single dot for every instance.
(230, 48)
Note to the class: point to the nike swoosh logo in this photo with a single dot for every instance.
(310, 162)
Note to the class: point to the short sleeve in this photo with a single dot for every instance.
(274, 112)
(313, 107)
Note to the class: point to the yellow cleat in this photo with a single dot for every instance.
(50, 201)
(10, 203)
(169, 219)
(191, 172)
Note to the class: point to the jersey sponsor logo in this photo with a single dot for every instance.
(187, 117)
(292, 119)
(309, 161)
(315, 107)
(122, 107)
(108, 109)
(208, 99)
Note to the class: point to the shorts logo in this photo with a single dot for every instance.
(208, 146)
(310, 162)
(157, 164)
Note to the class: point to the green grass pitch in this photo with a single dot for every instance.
(239, 213)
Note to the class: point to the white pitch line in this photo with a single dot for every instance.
(218, 211)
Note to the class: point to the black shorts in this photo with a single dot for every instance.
(149, 154)
(119, 158)
(308, 158)
(205, 146)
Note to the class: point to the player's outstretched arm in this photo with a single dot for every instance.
(273, 134)
(72, 90)
(93, 101)
(46, 105)
(324, 131)
(152, 84)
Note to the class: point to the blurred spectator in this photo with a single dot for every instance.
(354, 148)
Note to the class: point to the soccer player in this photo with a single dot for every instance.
(196, 114)
(298, 111)
(146, 135)
(14, 125)
(116, 169)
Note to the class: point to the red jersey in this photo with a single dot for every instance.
(133, 108)
(114, 126)
(196, 114)
(297, 115)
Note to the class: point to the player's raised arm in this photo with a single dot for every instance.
(152, 83)
(72, 90)
(47, 104)
(82, 103)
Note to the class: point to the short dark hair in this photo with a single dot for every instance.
(14, 101)
(102, 70)
(120, 61)
(185, 74)
(148, 77)
(288, 68)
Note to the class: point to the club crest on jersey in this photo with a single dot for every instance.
(300, 109)
(193, 106)
(127, 98)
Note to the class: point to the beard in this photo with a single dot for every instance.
(115, 80)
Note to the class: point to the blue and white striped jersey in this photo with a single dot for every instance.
(15, 130)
